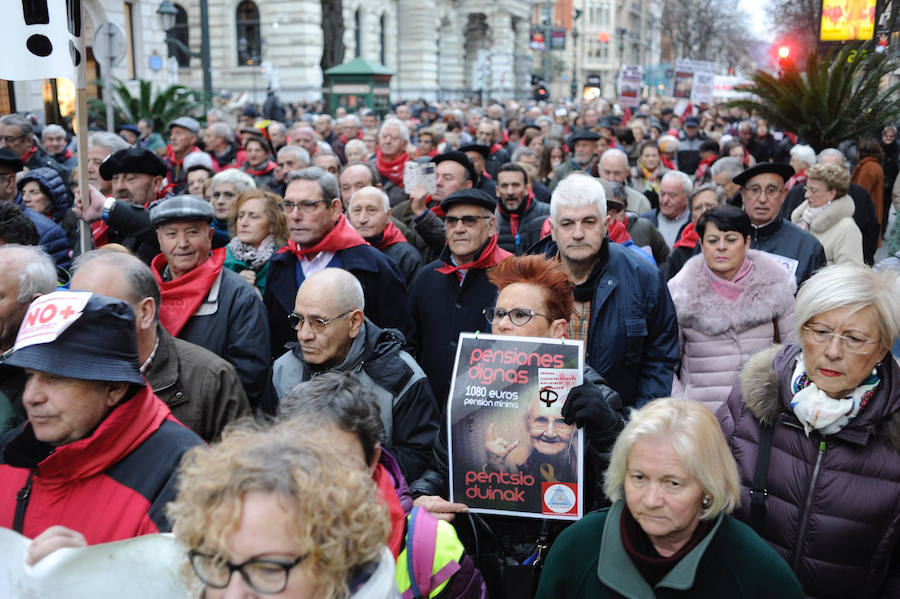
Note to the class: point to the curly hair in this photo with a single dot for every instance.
(549, 275)
(273, 213)
(336, 516)
(833, 176)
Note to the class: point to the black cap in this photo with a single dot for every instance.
(79, 335)
(471, 196)
(583, 135)
(480, 148)
(459, 158)
(785, 171)
(530, 125)
(10, 159)
(132, 160)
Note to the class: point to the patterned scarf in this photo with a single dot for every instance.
(254, 257)
(817, 411)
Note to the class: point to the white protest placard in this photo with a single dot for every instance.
(695, 79)
(510, 451)
(629, 85)
(42, 39)
(140, 568)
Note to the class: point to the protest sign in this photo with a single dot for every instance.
(695, 80)
(510, 451)
(629, 85)
(46, 39)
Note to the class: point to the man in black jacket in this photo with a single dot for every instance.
(333, 333)
(520, 217)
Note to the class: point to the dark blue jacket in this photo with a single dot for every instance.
(633, 333)
(383, 288)
(443, 309)
(53, 238)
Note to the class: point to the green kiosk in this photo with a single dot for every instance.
(359, 83)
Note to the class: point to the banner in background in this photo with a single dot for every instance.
(41, 40)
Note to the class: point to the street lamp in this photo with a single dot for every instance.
(167, 14)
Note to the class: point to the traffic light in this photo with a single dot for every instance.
(783, 53)
(540, 92)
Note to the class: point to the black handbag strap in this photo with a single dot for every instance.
(758, 491)
(776, 337)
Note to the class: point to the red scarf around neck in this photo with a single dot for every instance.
(491, 255)
(515, 218)
(340, 237)
(618, 232)
(265, 169)
(27, 155)
(182, 296)
(390, 236)
(494, 148)
(689, 238)
(392, 169)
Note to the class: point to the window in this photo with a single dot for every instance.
(357, 33)
(179, 32)
(249, 47)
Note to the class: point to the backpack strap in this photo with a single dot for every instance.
(758, 491)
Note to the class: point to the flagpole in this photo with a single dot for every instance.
(81, 119)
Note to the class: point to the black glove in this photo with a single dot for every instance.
(589, 406)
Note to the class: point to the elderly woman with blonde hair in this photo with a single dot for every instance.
(827, 213)
(673, 484)
(262, 513)
(815, 430)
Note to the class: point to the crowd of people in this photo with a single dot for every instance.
(257, 347)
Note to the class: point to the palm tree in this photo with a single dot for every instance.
(164, 107)
(840, 97)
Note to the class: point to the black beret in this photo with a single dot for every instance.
(470, 196)
(785, 171)
(132, 160)
(583, 135)
(481, 149)
(10, 159)
(459, 158)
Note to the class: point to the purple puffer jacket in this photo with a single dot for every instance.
(837, 525)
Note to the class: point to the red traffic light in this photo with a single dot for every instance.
(784, 51)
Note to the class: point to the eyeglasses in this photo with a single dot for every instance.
(468, 220)
(822, 336)
(8, 139)
(770, 190)
(267, 576)
(306, 206)
(317, 324)
(517, 316)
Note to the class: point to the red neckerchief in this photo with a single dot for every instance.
(267, 168)
(344, 139)
(430, 154)
(626, 115)
(798, 179)
(182, 296)
(667, 163)
(340, 237)
(392, 169)
(27, 155)
(704, 164)
(689, 238)
(68, 154)
(491, 255)
(494, 148)
(100, 233)
(516, 217)
(618, 232)
(435, 207)
(388, 496)
(170, 156)
(390, 236)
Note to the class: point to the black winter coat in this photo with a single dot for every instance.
(530, 225)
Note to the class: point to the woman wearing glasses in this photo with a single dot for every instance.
(815, 430)
(827, 213)
(263, 515)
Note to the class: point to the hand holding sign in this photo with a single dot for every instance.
(498, 449)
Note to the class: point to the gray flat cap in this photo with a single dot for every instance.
(180, 208)
(186, 122)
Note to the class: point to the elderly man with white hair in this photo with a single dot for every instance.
(56, 142)
(350, 128)
(390, 156)
(864, 208)
(623, 311)
(369, 212)
(613, 167)
(673, 213)
(802, 157)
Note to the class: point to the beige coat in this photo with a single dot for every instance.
(836, 230)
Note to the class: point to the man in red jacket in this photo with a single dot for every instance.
(95, 462)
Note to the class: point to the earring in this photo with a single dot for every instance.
(706, 501)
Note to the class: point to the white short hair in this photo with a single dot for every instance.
(834, 152)
(104, 139)
(384, 197)
(614, 153)
(37, 272)
(404, 130)
(345, 287)
(804, 153)
(686, 184)
(843, 285)
(299, 153)
(241, 180)
(575, 191)
(54, 129)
